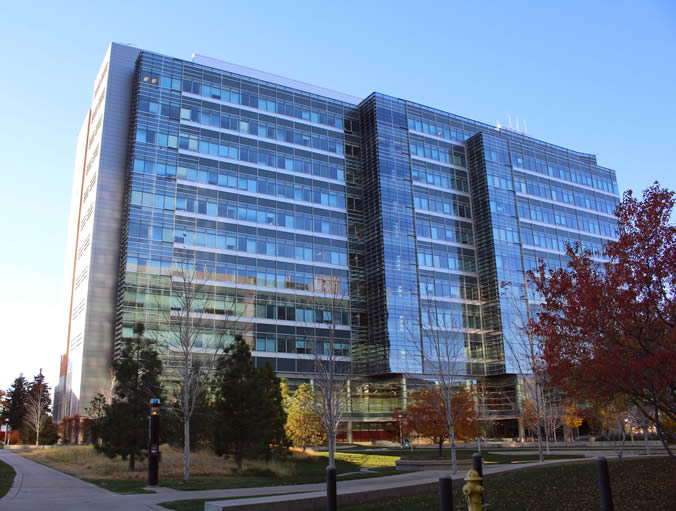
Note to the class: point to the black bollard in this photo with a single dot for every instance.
(331, 499)
(477, 464)
(604, 484)
(445, 493)
(154, 443)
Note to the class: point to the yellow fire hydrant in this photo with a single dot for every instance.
(473, 490)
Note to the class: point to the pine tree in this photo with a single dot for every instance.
(123, 429)
(238, 426)
(303, 425)
(16, 398)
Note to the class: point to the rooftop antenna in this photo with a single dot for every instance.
(525, 129)
(510, 120)
(517, 123)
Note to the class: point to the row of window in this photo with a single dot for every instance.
(440, 202)
(439, 319)
(561, 193)
(455, 156)
(444, 257)
(266, 104)
(437, 129)
(332, 144)
(331, 281)
(562, 172)
(545, 213)
(449, 286)
(210, 238)
(300, 344)
(553, 191)
(557, 240)
(452, 230)
(241, 152)
(242, 305)
(444, 177)
(260, 214)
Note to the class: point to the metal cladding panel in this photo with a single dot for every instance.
(105, 243)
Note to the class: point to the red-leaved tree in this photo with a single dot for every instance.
(427, 416)
(607, 327)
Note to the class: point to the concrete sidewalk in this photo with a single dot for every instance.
(39, 488)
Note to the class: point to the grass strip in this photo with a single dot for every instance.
(637, 485)
(6, 478)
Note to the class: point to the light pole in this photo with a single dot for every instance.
(154, 442)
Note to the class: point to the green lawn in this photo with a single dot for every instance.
(637, 485)
(122, 486)
(310, 470)
(6, 478)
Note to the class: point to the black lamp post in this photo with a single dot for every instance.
(154, 443)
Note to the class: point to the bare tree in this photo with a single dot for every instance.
(525, 354)
(191, 363)
(486, 396)
(637, 419)
(440, 342)
(37, 406)
(329, 382)
(554, 410)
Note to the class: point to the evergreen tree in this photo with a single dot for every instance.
(237, 403)
(303, 425)
(272, 435)
(16, 398)
(96, 413)
(48, 433)
(123, 429)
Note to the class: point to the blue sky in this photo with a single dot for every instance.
(597, 77)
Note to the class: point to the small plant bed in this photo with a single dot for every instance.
(6, 478)
(637, 485)
(208, 472)
(198, 504)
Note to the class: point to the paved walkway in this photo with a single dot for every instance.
(39, 488)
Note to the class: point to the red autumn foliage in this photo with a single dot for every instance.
(607, 329)
(426, 416)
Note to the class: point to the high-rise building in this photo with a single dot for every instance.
(312, 217)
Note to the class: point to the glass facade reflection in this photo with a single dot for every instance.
(302, 207)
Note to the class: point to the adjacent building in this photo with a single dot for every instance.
(313, 217)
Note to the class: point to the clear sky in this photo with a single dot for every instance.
(594, 76)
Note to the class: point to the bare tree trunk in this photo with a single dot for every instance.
(453, 460)
(539, 433)
(645, 434)
(186, 450)
(332, 449)
(132, 463)
(658, 429)
(623, 436)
